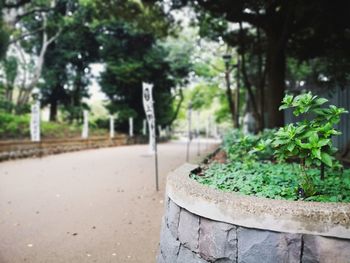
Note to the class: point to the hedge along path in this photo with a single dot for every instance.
(15, 149)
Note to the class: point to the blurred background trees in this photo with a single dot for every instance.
(178, 45)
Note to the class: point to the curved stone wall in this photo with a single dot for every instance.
(23, 149)
(197, 236)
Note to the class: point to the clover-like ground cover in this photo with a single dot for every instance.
(275, 180)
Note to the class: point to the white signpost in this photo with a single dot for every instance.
(144, 128)
(111, 126)
(215, 131)
(207, 129)
(160, 131)
(85, 132)
(149, 111)
(197, 134)
(167, 130)
(248, 123)
(131, 127)
(35, 122)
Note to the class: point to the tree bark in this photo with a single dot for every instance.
(261, 84)
(246, 81)
(229, 96)
(178, 107)
(53, 110)
(27, 89)
(275, 63)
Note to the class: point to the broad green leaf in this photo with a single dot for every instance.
(308, 162)
(291, 147)
(313, 139)
(283, 107)
(305, 145)
(323, 142)
(321, 101)
(326, 159)
(316, 152)
(300, 129)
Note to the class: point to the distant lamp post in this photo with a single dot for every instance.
(35, 94)
(227, 58)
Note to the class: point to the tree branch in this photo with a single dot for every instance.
(245, 75)
(16, 4)
(25, 35)
(177, 107)
(33, 11)
(233, 11)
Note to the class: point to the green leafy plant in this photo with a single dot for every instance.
(241, 147)
(301, 150)
(308, 141)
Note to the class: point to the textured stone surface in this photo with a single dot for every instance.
(172, 217)
(217, 240)
(267, 246)
(160, 258)
(187, 256)
(210, 233)
(188, 231)
(24, 149)
(324, 250)
(169, 246)
(315, 218)
(204, 240)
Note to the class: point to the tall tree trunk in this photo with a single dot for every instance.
(53, 110)
(248, 85)
(276, 63)
(229, 96)
(178, 107)
(24, 95)
(261, 83)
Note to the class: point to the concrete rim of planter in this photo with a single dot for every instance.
(325, 219)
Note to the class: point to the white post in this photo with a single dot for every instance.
(160, 130)
(215, 130)
(210, 133)
(85, 132)
(207, 128)
(189, 117)
(35, 122)
(111, 126)
(144, 128)
(197, 133)
(248, 123)
(131, 127)
(149, 111)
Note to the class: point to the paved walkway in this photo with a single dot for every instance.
(91, 206)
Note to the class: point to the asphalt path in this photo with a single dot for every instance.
(89, 206)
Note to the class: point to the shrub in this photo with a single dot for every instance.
(13, 126)
(248, 147)
(308, 141)
(286, 163)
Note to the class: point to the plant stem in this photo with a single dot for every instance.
(322, 171)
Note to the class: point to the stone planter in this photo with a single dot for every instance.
(202, 224)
